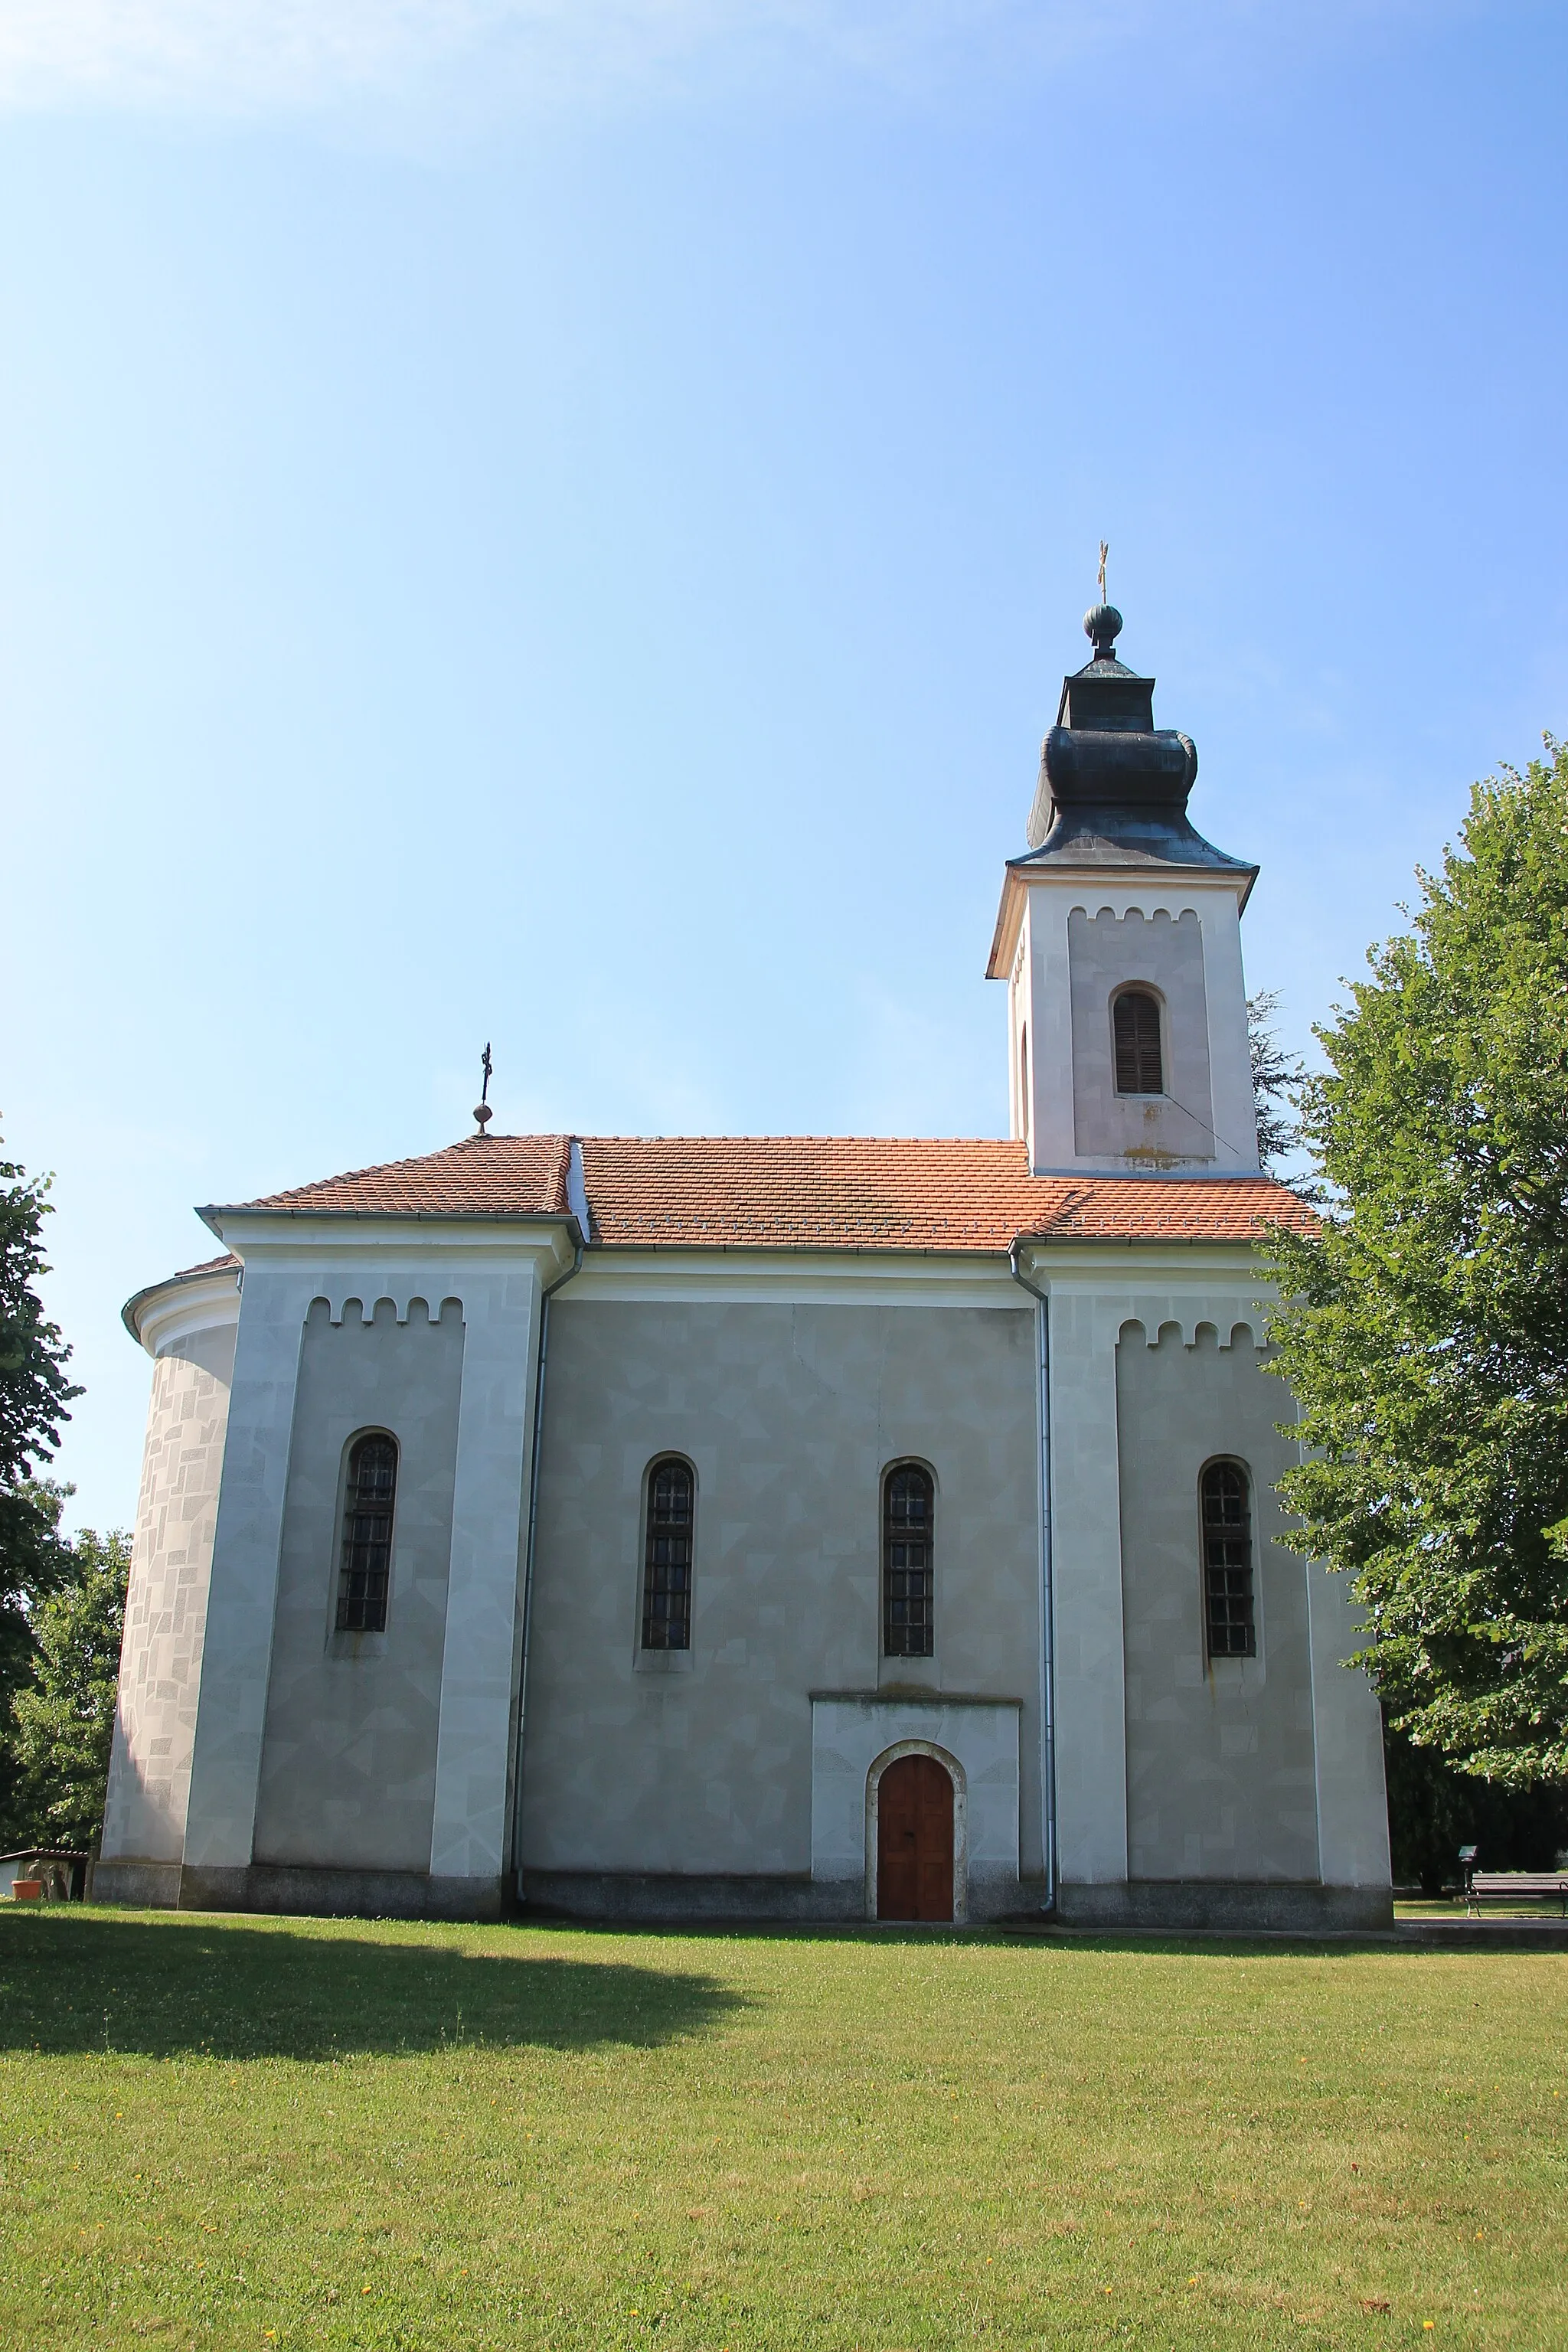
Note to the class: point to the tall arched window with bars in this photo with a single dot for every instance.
(1226, 1496)
(909, 1591)
(1140, 1061)
(364, 1566)
(671, 1517)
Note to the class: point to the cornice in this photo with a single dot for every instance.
(307, 1236)
(183, 1303)
(737, 1275)
(1123, 1266)
(1163, 885)
(688, 1274)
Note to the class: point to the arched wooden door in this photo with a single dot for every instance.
(914, 1840)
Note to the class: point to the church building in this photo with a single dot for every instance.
(775, 1528)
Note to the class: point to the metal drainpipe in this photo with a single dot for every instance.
(560, 1282)
(1048, 1628)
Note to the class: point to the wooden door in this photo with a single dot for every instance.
(914, 1840)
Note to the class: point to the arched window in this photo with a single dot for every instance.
(1228, 1561)
(1140, 1065)
(908, 1618)
(370, 1494)
(667, 1557)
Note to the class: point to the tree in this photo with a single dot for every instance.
(63, 1719)
(1426, 1333)
(34, 1561)
(1277, 1079)
(33, 1394)
(34, 1390)
(1434, 1809)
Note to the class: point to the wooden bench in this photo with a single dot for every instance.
(1503, 1886)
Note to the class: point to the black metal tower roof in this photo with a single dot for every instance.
(1113, 787)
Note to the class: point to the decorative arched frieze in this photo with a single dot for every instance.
(401, 1300)
(1144, 910)
(1226, 1324)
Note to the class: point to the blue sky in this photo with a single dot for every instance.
(566, 525)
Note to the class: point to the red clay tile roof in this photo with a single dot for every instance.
(494, 1176)
(804, 1193)
(208, 1265)
(877, 1193)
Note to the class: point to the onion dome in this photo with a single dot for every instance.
(1113, 786)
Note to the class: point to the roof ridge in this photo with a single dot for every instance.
(563, 1172)
(989, 1143)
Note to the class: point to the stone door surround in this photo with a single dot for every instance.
(856, 1733)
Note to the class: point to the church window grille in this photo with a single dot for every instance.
(667, 1557)
(1140, 1064)
(908, 1620)
(364, 1571)
(1227, 1561)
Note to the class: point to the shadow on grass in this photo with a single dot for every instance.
(1010, 1935)
(71, 1985)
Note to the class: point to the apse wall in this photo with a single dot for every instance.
(187, 1325)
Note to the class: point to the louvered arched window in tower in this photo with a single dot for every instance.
(365, 1569)
(1139, 1061)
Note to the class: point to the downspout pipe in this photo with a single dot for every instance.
(559, 1283)
(1047, 1607)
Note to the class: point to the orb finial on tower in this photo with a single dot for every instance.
(1102, 626)
(1103, 622)
(483, 1111)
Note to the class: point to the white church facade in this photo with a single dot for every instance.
(774, 1527)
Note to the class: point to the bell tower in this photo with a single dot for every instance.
(1119, 937)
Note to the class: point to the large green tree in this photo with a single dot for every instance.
(64, 1717)
(1427, 1339)
(35, 1391)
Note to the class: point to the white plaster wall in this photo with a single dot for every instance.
(482, 1656)
(496, 1269)
(1105, 953)
(348, 1765)
(1125, 1449)
(1093, 1293)
(226, 1760)
(789, 1415)
(1230, 1050)
(1020, 1046)
(166, 1601)
(1047, 995)
(1353, 1802)
(1221, 1774)
(850, 1735)
(1044, 996)
(1086, 1578)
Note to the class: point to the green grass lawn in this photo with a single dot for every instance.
(1547, 1908)
(260, 2132)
